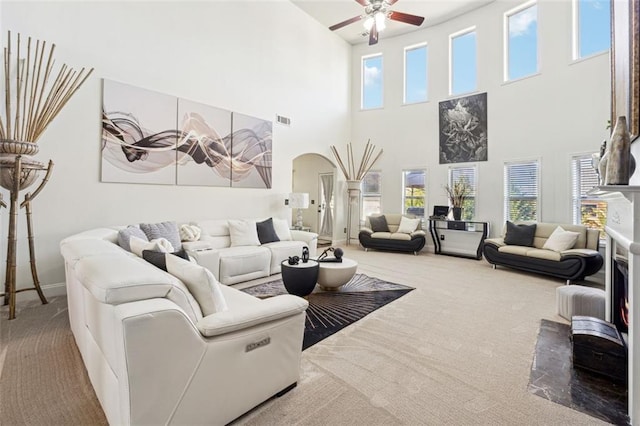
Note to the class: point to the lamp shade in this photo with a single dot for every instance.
(299, 200)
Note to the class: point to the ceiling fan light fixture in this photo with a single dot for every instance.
(380, 21)
(368, 23)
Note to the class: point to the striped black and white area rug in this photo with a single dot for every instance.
(331, 311)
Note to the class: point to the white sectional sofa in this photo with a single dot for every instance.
(233, 264)
(154, 358)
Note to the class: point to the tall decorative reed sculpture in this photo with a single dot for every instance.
(33, 98)
(354, 177)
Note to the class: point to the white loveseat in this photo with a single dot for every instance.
(233, 264)
(151, 355)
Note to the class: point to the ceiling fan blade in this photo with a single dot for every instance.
(391, 2)
(365, 3)
(406, 18)
(373, 35)
(345, 23)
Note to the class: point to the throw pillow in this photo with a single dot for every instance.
(201, 283)
(243, 233)
(168, 230)
(266, 231)
(282, 229)
(190, 233)
(561, 240)
(158, 259)
(407, 225)
(520, 235)
(138, 245)
(379, 223)
(124, 235)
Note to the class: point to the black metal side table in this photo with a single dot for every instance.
(300, 279)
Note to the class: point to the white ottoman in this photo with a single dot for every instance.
(580, 300)
(332, 276)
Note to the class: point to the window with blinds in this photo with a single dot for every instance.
(371, 194)
(414, 192)
(468, 174)
(588, 211)
(521, 191)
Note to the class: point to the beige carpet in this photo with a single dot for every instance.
(457, 350)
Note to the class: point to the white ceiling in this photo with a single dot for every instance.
(330, 12)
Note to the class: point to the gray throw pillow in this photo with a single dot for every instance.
(520, 235)
(379, 223)
(159, 259)
(124, 236)
(266, 231)
(168, 230)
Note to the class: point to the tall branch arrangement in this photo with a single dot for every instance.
(458, 192)
(31, 100)
(366, 162)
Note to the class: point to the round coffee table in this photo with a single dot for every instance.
(333, 275)
(300, 279)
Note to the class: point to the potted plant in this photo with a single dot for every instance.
(458, 193)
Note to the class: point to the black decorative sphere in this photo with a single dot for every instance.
(338, 253)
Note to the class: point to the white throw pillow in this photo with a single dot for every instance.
(138, 245)
(190, 233)
(243, 233)
(282, 229)
(561, 240)
(201, 283)
(407, 225)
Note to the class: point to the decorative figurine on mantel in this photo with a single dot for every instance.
(618, 163)
(33, 98)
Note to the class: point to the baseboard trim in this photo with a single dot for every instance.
(49, 290)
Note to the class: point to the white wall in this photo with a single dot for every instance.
(257, 58)
(560, 112)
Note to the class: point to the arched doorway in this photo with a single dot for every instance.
(316, 175)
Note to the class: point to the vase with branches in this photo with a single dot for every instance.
(458, 192)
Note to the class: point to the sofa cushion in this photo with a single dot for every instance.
(520, 235)
(243, 233)
(544, 254)
(401, 236)
(407, 225)
(545, 229)
(266, 231)
(168, 230)
(244, 263)
(561, 240)
(282, 229)
(139, 245)
(282, 250)
(124, 235)
(379, 223)
(200, 282)
(519, 250)
(158, 259)
(383, 235)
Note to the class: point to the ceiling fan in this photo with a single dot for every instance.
(375, 14)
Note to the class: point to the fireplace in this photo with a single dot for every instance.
(620, 294)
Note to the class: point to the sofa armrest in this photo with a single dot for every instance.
(580, 252)
(207, 257)
(309, 238)
(240, 318)
(498, 242)
(367, 230)
(417, 233)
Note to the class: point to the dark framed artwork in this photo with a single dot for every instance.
(463, 129)
(625, 64)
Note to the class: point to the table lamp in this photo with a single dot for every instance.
(299, 200)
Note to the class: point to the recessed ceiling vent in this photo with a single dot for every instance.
(283, 120)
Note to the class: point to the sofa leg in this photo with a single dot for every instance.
(493, 266)
(366, 249)
(287, 389)
(568, 282)
(415, 253)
